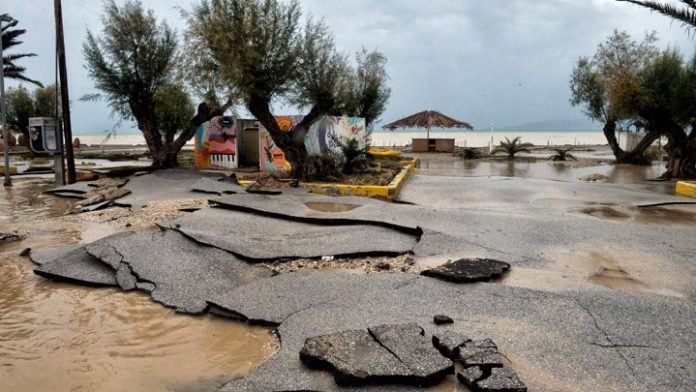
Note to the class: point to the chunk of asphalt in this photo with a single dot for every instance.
(442, 319)
(259, 238)
(469, 376)
(355, 358)
(77, 266)
(501, 380)
(449, 342)
(481, 353)
(468, 270)
(179, 272)
(408, 343)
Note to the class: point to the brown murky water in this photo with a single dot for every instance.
(62, 337)
(331, 207)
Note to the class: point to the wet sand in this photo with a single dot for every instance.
(69, 338)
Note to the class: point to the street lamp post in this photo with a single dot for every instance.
(5, 138)
(490, 146)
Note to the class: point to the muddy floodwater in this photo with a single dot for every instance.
(61, 337)
(445, 165)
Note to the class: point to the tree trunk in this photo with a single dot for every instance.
(682, 154)
(637, 155)
(292, 143)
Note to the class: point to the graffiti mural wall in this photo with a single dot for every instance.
(218, 141)
(216, 144)
(317, 141)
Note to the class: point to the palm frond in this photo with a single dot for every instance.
(685, 14)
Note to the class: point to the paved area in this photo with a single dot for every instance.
(601, 294)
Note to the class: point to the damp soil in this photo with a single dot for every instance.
(71, 338)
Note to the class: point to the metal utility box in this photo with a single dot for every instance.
(44, 135)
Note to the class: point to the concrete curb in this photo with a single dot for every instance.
(389, 192)
(686, 188)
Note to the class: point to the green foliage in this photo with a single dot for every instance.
(351, 153)
(11, 38)
(319, 168)
(468, 153)
(256, 44)
(132, 63)
(365, 93)
(562, 154)
(615, 66)
(23, 104)
(131, 59)
(173, 110)
(511, 147)
(265, 53)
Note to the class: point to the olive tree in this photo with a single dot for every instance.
(265, 52)
(596, 81)
(131, 62)
(366, 93)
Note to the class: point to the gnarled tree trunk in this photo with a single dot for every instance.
(292, 142)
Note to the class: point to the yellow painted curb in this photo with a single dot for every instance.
(686, 188)
(13, 169)
(390, 192)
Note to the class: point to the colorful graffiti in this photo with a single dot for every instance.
(272, 157)
(216, 144)
(317, 140)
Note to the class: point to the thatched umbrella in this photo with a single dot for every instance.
(428, 119)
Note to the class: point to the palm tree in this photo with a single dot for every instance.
(685, 14)
(562, 154)
(10, 38)
(512, 147)
(467, 153)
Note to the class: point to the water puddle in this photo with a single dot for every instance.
(596, 265)
(332, 207)
(71, 338)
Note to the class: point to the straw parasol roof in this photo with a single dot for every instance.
(428, 119)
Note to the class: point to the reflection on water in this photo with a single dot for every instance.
(561, 171)
(68, 338)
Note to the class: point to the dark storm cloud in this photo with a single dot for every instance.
(506, 61)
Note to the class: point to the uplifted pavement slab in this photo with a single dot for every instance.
(555, 341)
(47, 255)
(388, 354)
(260, 238)
(322, 209)
(216, 187)
(77, 188)
(76, 266)
(177, 272)
(172, 184)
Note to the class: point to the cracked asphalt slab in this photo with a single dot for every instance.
(259, 238)
(601, 294)
(178, 273)
(552, 341)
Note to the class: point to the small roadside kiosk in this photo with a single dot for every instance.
(45, 138)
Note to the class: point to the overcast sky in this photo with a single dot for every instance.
(502, 61)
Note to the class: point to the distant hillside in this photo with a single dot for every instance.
(556, 125)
